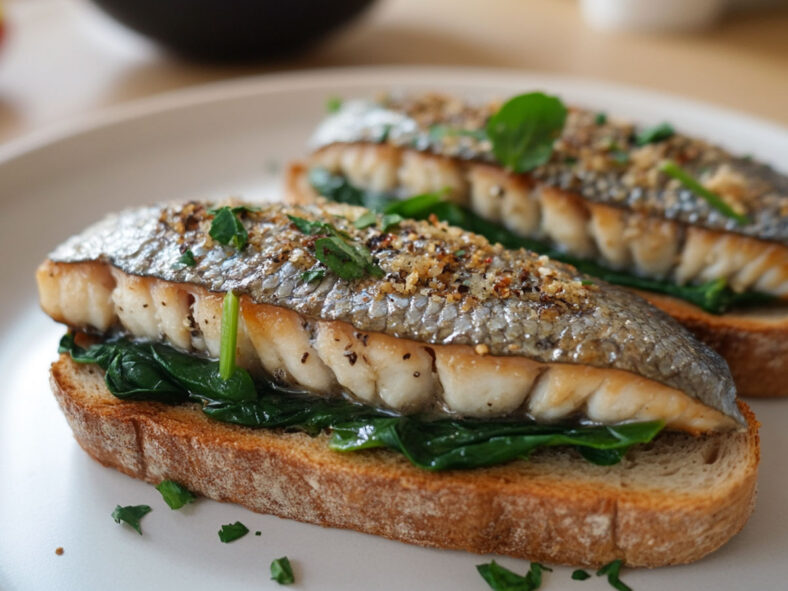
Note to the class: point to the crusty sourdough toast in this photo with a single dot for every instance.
(668, 502)
(754, 342)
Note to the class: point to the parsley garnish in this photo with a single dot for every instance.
(333, 104)
(226, 228)
(459, 253)
(232, 531)
(600, 118)
(187, 258)
(229, 335)
(131, 514)
(502, 579)
(619, 156)
(654, 134)
(673, 170)
(313, 275)
(336, 251)
(523, 131)
(580, 575)
(366, 220)
(174, 494)
(612, 570)
(390, 220)
(281, 571)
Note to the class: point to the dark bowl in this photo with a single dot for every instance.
(233, 29)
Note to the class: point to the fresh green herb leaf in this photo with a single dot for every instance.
(226, 228)
(315, 274)
(258, 533)
(580, 575)
(333, 104)
(187, 258)
(131, 514)
(338, 189)
(174, 494)
(612, 570)
(281, 571)
(238, 209)
(502, 579)
(430, 444)
(523, 131)
(600, 118)
(316, 228)
(229, 335)
(366, 220)
(673, 170)
(348, 261)
(459, 253)
(570, 160)
(232, 531)
(654, 134)
(714, 296)
(390, 220)
(439, 132)
(586, 282)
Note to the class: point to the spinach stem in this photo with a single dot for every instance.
(229, 335)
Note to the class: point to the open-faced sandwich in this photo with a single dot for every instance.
(701, 234)
(397, 377)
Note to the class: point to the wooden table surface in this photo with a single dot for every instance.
(62, 58)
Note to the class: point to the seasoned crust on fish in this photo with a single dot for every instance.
(329, 357)
(505, 303)
(668, 502)
(618, 237)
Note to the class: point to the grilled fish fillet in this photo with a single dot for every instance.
(600, 197)
(454, 326)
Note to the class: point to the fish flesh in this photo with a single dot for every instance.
(600, 197)
(450, 325)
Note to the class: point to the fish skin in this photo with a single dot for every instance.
(563, 321)
(406, 123)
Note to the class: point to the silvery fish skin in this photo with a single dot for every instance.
(441, 286)
(584, 160)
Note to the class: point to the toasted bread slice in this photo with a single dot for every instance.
(754, 342)
(668, 502)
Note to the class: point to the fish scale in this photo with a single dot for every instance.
(582, 326)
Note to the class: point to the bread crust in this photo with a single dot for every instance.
(553, 508)
(754, 343)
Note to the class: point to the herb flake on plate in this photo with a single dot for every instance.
(227, 229)
(500, 578)
(282, 571)
(232, 531)
(131, 515)
(174, 494)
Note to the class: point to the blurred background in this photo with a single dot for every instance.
(61, 59)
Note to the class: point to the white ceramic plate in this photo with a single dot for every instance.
(230, 139)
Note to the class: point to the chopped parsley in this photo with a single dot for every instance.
(523, 131)
(612, 570)
(651, 135)
(131, 515)
(619, 156)
(227, 229)
(580, 575)
(313, 275)
(281, 571)
(187, 258)
(502, 579)
(174, 494)
(338, 252)
(439, 131)
(366, 220)
(232, 531)
(673, 170)
(390, 220)
(600, 118)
